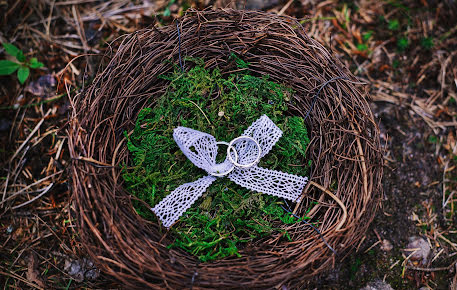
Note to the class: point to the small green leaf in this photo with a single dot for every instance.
(20, 56)
(395, 63)
(7, 67)
(427, 42)
(394, 24)
(367, 35)
(402, 43)
(11, 49)
(34, 63)
(22, 74)
(362, 47)
(432, 139)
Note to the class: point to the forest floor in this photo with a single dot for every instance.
(406, 51)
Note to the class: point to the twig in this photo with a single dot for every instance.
(59, 149)
(446, 167)
(48, 100)
(360, 243)
(372, 246)
(319, 91)
(179, 48)
(453, 245)
(82, 35)
(48, 24)
(111, 14)
(29, 186)
(70, 2)
(305, 190)
(406, 261)
(437, 255)
(310, 225)
(15, 276)
(340, 203)
(432, 269)
(394, 264)
(284, 8)
(30, 135)
(202, 112)
(46, 189)
(54, 233)
(91, 160)
(6, 185)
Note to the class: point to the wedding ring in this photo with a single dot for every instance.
(230, 147)
(228, 154)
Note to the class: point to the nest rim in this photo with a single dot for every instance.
(344, 147)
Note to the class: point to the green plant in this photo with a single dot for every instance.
(227, 216)
(22, 64)
(362, 47)
(398, 4)
(393, 24)
(395, 63)
(367, 35)
(402, 43)
(433, 139)
(427, 42)
(167, 11)
(354, 268)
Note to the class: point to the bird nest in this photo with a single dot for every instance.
(345, 180)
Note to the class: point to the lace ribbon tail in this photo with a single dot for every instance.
(271, 182)
(169, 209)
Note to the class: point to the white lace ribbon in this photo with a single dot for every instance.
(240, 166)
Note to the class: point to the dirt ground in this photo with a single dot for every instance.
(406, 51)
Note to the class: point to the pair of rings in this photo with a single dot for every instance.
(235, 163)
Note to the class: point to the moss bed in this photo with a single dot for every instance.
(227, 217)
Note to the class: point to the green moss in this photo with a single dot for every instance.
(427, 43)
(402, 43)
(393, 24)
(227, 216)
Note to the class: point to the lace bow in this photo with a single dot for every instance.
(240, 166)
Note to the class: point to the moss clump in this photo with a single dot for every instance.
(227, 215)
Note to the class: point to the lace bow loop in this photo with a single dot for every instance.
(198, 147)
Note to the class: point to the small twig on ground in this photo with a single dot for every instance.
(20, 278)
(285, 7)
(82, 35)
(29, 186)
(46, 189)
(406, 260)
(37, 127)
(48, 24)
(432, 269)
(372, 246)
(453, 245)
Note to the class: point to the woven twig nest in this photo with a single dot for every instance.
(345, 151)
